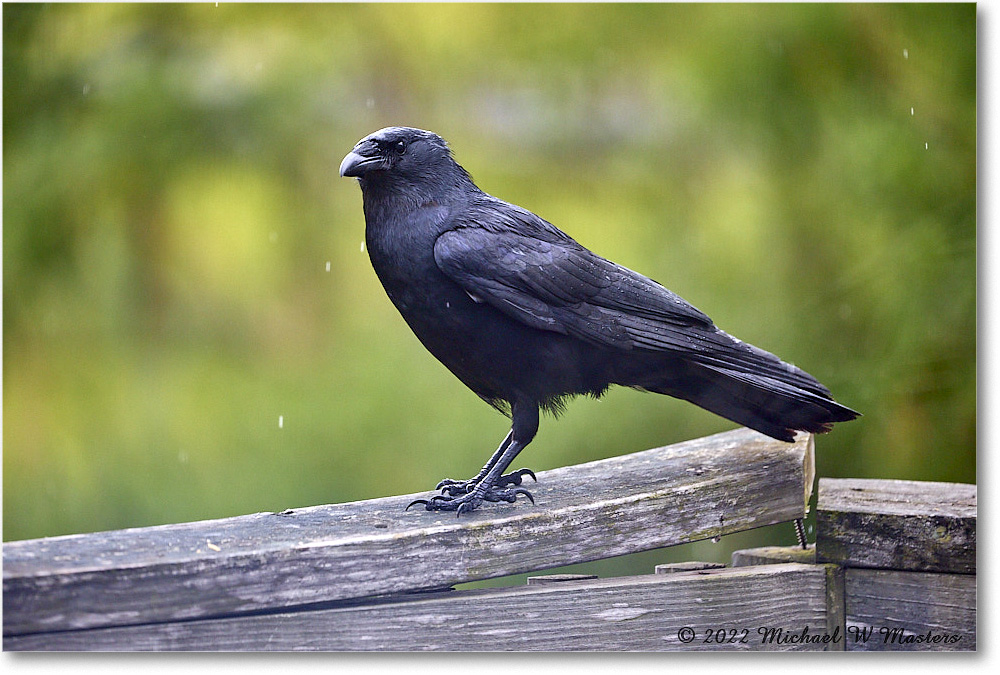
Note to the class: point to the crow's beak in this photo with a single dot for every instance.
(356, 165)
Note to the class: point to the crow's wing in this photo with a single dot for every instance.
(557, 285)
(534, 273)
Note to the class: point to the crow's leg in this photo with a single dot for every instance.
(491, 485)
(461, 487)
(457, 487)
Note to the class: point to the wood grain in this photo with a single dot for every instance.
(910, 611)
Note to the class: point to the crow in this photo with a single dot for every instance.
(526, 317)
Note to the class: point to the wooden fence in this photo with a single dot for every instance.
(893, 568)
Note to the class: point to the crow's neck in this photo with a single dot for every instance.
(387, 198)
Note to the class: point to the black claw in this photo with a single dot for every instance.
(509, 496)
(465, 496)
(463, 504)
(522, 491)
(515, 477)
(525, 472)
(455, 488)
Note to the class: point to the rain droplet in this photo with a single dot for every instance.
(925, 146)
(86, 89)
(906, 53)
(911, 112)
(370, 103)
(362, 246)
(281, 421)
(327, 265)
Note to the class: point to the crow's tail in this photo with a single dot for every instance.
(755, 388)
(771, 407)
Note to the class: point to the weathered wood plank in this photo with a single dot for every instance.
(770, 555)
(895, 524)
(689, 566)
(888, 610)
(686, 492)
(727, 609)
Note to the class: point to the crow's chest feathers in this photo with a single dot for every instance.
(401, 250)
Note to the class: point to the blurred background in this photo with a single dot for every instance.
(192, 329)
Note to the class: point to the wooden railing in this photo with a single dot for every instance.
(371, 576)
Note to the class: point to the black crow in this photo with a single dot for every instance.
(527, 317)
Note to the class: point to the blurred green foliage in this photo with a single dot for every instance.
(182, 266)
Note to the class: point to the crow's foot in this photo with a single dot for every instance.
(463, 503)
(457, 488)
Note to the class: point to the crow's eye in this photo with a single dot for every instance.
(399, 147)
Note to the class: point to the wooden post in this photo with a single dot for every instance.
(909, 553)
(897, 524)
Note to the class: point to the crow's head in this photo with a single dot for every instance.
(400, 156)
(396, 149)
